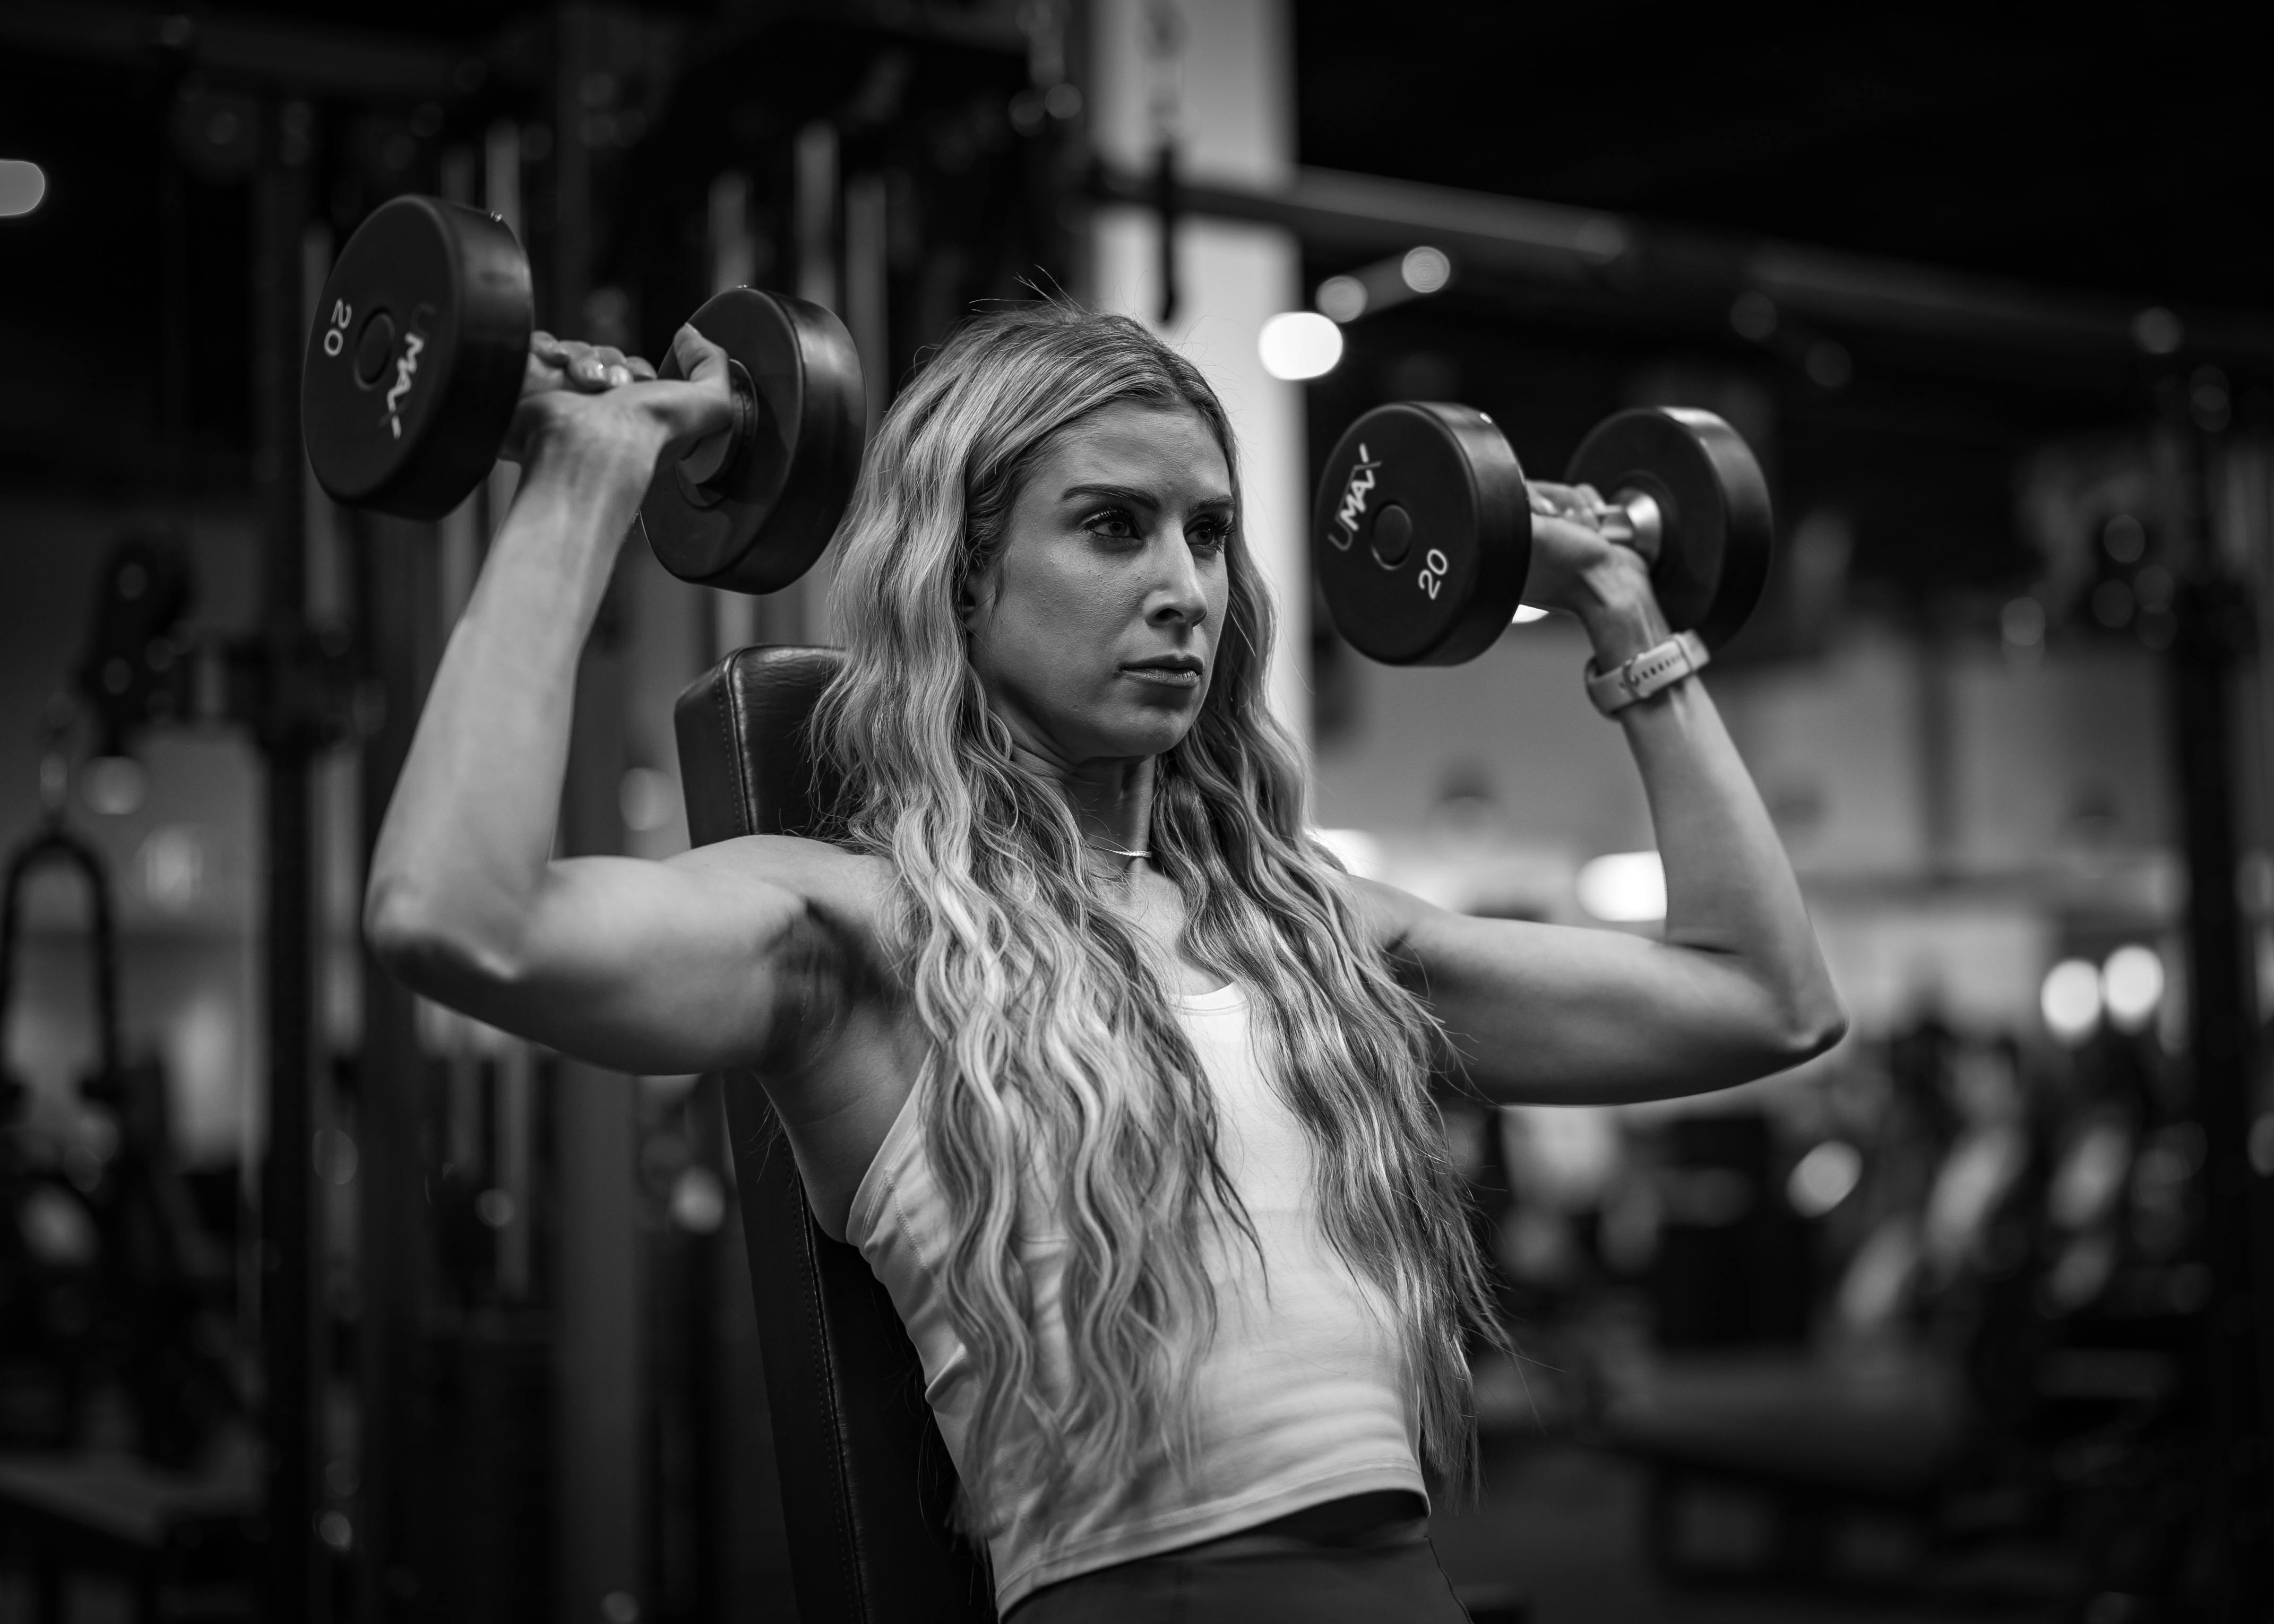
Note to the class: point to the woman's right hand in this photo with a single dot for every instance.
(594, 395)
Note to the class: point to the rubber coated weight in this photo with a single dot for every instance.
(417, 363)
(762, 512)
(1422, 535)
(416, 358)
(1714, 561)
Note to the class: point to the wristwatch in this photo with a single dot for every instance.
(1646, 673)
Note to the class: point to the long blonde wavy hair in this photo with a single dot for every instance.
(1062, 1097)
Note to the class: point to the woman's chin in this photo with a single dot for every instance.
(1150, 731)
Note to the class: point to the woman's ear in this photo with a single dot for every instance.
(969, 597)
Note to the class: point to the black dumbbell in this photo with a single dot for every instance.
(417, 361)
(1422, 535)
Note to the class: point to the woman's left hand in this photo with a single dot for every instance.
(1580, 569)
(585, 392)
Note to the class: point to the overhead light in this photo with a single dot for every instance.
(1415, 274)
(1624, 887)
(1342, 299)
(22, 184)
(1300, 343)
(1425, 270)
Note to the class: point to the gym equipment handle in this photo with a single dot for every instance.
(1636, 521)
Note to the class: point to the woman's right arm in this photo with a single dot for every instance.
(653, 967)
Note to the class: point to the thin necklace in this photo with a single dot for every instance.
(1118, 851)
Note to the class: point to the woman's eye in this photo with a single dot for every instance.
(1210, 536)
(1112, 521)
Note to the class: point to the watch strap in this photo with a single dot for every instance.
(1645, 673)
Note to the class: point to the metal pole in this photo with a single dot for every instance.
(294, 1371)
(596, 1294)
(2215, 636)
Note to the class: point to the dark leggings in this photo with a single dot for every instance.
(1386, 1584)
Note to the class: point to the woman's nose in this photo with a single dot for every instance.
(1179, 595)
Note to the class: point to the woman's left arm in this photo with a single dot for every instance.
(1735, 989)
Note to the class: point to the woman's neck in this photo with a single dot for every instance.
(1111, 799)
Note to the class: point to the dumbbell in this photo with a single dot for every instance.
(1421, 535)
(415, 363)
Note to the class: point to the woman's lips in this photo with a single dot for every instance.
(1167, 676)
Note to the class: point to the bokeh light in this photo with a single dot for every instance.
(1426, 270)
(2070, 1000)
(1624, 887)
(1342, 299)
(2132, 985)
(1300, 343)
(2157, 331)
(114, 785)
(1823, 1178)
(22, 184)
(2023, 622)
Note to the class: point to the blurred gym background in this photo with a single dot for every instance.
(318, 1303)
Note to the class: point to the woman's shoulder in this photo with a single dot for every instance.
(1390, 918)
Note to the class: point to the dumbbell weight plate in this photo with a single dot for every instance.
(762, 519)
(416, 358)
(1718, 532)
(1421, 535)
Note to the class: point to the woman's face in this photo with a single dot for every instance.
(1095, 630)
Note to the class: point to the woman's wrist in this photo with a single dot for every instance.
(1620, 611)
(596, 458)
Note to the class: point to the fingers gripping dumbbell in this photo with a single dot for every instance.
(417, 361)
(1421, 535)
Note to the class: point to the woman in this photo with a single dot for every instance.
(1117, 1078)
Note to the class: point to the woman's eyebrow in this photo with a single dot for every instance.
(1133, 494)
(1136, 497)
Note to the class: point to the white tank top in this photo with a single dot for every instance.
(1299, 1394)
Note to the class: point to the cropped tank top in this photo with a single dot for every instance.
(1299, 1393)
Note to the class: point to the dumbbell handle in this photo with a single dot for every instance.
(1637, 521)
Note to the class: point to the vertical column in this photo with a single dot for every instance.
(731, 255)
(1215, 78)
(868, 314)
(576, 54)
(398, 631)
(460, 527)
(2206, 669)
(501, 196)
(816, 207)
(294, 1369)
(1934, 729)
(596, 1348)
(800, 611)
(516, 1168)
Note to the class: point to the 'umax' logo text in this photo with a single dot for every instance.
(1353, 506)
(406, 368)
